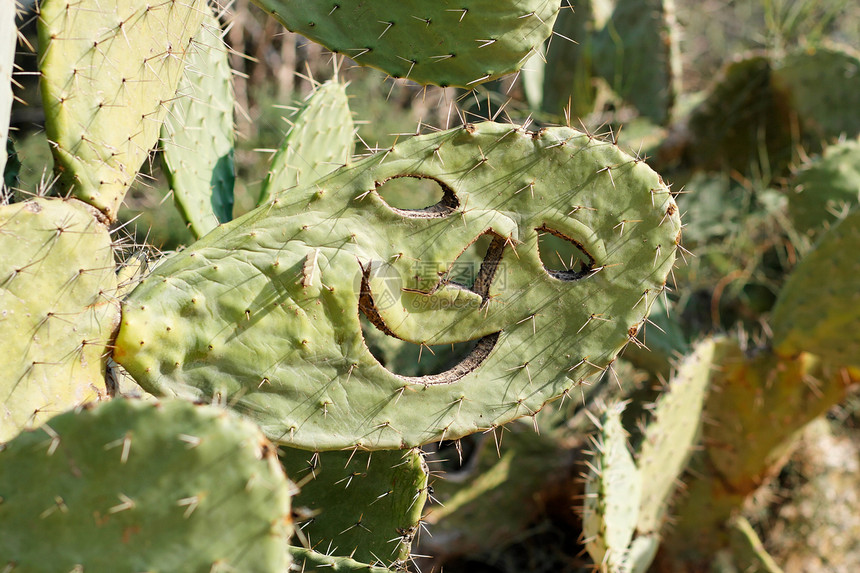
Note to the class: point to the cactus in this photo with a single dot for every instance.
(108, 72)
(811, 315)
(626, 502)
(177, 487)
(668, 440)
(743, 124)
(8, 33)
(310, 561)
(756, 405)
(613, 491)
(386, 492)
(825, 187)
(637, 54)
(319, 141)
(292, 276)
(444, 43)
(570, 82)
(825, 114)
(58, 309)
(197, 135)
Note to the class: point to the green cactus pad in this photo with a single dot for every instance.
(9, 37)
(752, 396)
(743, 124)
(134, 486)
(448, 43)
(366, 505)
(669, 439)
(309, 561)
(320, 141)
(613, 490)
(58, 309)
(816, 309)
(569, 58)
(825, 187)
(264, 311)
(823, 87)
(197, 135)
(108, 72)
(637, 54)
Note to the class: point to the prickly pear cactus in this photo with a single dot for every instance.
(58, 309)
(448, 43)
(823, 87)
(825, 188)
(637, 54)
(309, 561)
(197, 134)
(264, 312)
(743, 124)
(668, 440)
(320, 141)
(811, 315)
(367, 505)
(757, 404)
(613, 491)
(8, 39)
(569, 58)
(134, 486)
(108, 73)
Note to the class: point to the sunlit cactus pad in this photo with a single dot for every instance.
(264, 311)
(108, 73)
(58, 309)
(319, 141)
(135, 486)
(444, 42)
(197, 135)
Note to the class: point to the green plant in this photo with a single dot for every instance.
(293, 276)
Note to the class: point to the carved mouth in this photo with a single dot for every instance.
(481, 286)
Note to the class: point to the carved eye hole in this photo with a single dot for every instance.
(418, 197)
(563, 257)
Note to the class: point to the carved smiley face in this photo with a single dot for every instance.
(264, 312)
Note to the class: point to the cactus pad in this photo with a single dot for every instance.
(613, 490)
(58, 309)
(826, 187)
(811, 314)
(8, 39)
(197, 135)
(108, 71)
(637, 54)
(265, 310)
(320, 140)
(363, 504)
(133, 486)
(447, 43)
(743, 124)
(823, 87)
(669, 439)
(309, 561)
